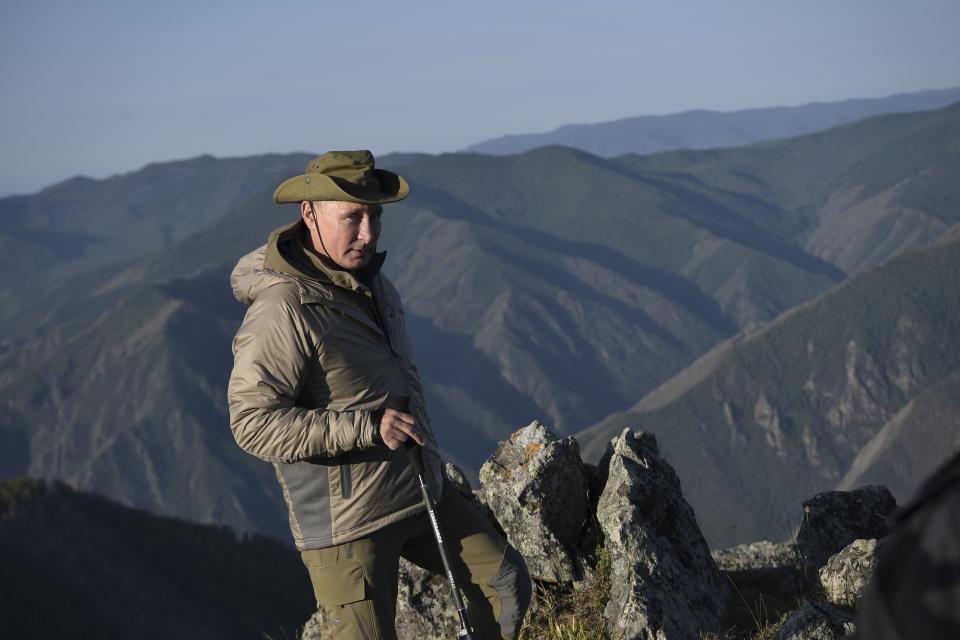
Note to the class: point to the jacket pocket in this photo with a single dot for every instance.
(346, 481)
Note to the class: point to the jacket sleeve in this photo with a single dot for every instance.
(272, 357)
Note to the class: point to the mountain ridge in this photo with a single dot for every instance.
(798, 428)
(704, 128)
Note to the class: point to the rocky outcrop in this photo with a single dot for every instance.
(755, 555)
(817, 621)
(538, 490)
(657, 579)
(846, 574)
(834, 519)
(665, 584)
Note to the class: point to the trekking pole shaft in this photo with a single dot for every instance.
(417, 461)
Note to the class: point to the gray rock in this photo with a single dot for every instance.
(457, 478)
(665, 584)
(756, 555)
(316, 628)
(846, 574)
(425, 607)
(817, 621)
(763, 575)
(834, 519)
(538, 490)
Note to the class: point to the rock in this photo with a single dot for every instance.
(664, 583)
(537, 488)
(457, 478)
(425, 607)
(817, 621)
(316, 628)
(846, 574)
(764, 575)
(756, 555)
(834, 519)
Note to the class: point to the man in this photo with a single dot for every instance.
(324, 387)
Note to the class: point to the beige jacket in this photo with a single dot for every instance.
(313, 369)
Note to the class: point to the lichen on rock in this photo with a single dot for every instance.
(425, 607)
(762, 554)
(538, 490)
(846, 574)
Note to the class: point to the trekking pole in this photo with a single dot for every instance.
(416, 459)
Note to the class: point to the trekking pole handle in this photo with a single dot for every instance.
(414, 453)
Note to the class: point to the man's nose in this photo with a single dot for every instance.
(366, 232)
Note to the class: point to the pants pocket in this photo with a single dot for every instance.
(342, 593)
(338, 584)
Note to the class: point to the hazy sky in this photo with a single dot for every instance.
(96, 87)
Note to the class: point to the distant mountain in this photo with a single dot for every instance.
(702, 129)
(853, 196)
(80, 566)
(859, 385)
(124, 393)
(923, 432)
(553, 285)
(83, 223)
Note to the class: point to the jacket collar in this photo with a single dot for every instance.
(317, 281)
(287, 253)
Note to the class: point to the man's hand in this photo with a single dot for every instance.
(396, 427)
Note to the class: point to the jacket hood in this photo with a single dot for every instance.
(249, 278)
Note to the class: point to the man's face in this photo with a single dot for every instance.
(345, 232)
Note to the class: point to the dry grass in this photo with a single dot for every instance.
(761, 601)
(561, 612)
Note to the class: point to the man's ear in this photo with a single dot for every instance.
(307, 212)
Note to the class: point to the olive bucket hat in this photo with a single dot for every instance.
(343, 175)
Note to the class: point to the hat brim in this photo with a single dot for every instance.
(317, 186)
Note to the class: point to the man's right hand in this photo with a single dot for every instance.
(396, 427)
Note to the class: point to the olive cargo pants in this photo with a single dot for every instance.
(355, 583)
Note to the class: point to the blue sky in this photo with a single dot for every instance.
(99, 87)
